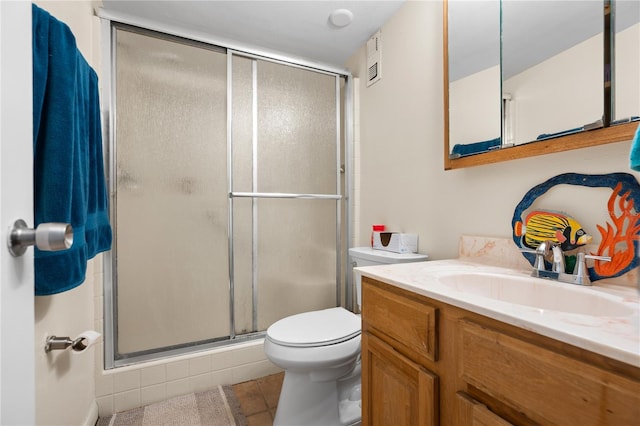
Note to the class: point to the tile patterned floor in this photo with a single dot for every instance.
(259, 399)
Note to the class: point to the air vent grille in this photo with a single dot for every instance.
(374, 48)
(373, 71)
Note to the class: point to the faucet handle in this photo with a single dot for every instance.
(581, 265)
(539, 262)
(558, 259)
(592, 256)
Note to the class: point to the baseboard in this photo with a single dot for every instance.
(92, 415)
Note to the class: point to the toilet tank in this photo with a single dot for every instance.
(366, 256)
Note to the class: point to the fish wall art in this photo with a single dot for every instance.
(619, 233)
(540, 226)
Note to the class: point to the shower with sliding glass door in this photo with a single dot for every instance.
(228, 200)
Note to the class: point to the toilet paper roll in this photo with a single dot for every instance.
(85, 340)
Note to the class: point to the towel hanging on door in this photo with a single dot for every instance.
(634, 155)
(69, 182)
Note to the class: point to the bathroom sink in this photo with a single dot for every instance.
(538, 293)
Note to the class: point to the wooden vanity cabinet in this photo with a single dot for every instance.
(398, 341)
(425, 362)
(399, 391)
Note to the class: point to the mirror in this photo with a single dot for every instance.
(570, 93)
(626, 68)
(552, 67)
(474, 76)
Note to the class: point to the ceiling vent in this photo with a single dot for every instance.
(374, 46)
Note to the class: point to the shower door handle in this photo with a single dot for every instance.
(50, 236)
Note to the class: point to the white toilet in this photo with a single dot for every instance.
(320, 354)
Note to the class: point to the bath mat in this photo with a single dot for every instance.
(216, 407)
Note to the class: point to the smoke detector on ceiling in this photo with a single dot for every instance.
(341, 17)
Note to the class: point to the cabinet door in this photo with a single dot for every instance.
(395, 390)
(472, 413)
(546, 387)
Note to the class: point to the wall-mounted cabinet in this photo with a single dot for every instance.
(525, 78)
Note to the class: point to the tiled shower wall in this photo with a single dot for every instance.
(355, 194)
(134, 386)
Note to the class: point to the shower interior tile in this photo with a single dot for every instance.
(98, 355)
(232, 358)
(98, 270)
(200, 365)
(90, 268)
(201, 382)
(251, 353)
(126, 380)
(98, 280)
(126, 400)
(222, 377)
(153, 394)
(104, 384)
(97, 307)
(178, 387)
(178, 370)
(153, 375)
(253, 371)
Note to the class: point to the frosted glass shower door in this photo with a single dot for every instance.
(286, 249)
(171, 183)
(226, 195)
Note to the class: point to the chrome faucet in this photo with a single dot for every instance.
(549, 249)
(558, 259)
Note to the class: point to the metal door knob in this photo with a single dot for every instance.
(47, 237)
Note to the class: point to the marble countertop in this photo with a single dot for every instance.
(614, 336)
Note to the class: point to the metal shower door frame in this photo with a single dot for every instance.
(254, 195)
(108, 29)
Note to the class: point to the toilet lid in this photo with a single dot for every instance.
(317, 328)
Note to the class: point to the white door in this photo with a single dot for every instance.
(17, 370)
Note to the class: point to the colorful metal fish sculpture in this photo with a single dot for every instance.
(540, 226)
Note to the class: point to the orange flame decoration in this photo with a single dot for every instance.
(618, 242)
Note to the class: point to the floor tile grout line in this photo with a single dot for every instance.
(269, 411)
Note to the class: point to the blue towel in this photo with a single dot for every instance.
(625, 120)
(459, 150)
(69, 181)
(634, 156)
(558, 134)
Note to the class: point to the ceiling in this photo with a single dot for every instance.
(299, 29)
(302, 29)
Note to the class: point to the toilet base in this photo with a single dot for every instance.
(305, 402)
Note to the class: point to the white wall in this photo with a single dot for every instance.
(627, 72)
(561, 93)
(475, 107)
(403, 184)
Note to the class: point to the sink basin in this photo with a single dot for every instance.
(538, 293)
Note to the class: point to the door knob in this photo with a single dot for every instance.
(47, 237)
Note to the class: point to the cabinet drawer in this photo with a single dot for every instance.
(472, 413)
(408, 321)
(547, 387)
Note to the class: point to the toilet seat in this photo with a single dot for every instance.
(317, 328)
